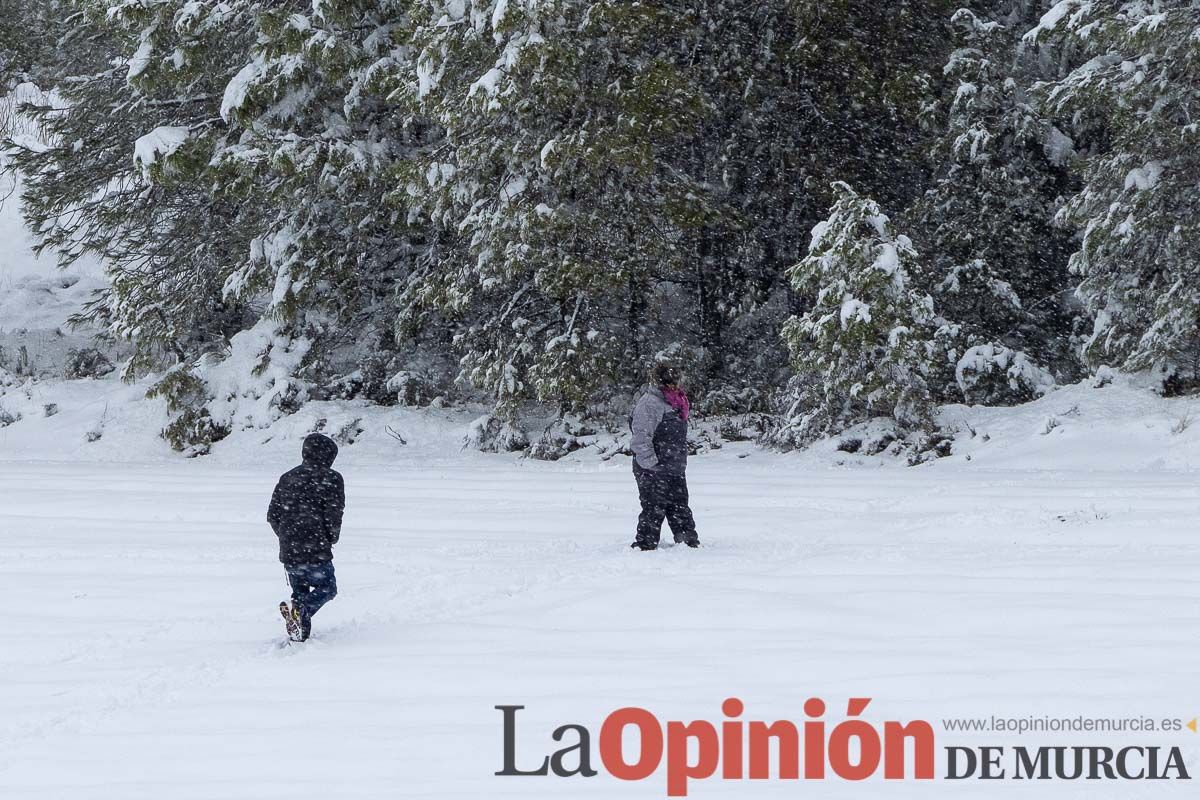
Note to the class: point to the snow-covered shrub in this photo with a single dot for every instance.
(885, 438)
(8, 417)
(345, 434)
(343, 387)
(22, 365)
(562, 437)
(378, 369)
(990, 374)
(257, 384)
(1103, 377)
(873, 438)
(492, 434)
(413, 387)
(938, 444)
(251, 387)
(192, 429)
(743, 427)
(86, 362)
(728, 400)
(703, 440)
(348, 434)
(96, 431)
(878, 435)
(849, 444)
(50, 409)
(865, 346)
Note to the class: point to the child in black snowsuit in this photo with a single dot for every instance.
(660, 424)
(306, 514)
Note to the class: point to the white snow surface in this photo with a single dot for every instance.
(1051, 19)
(238, 89)
(489, 83)
(854, 310)
(160, 143)
(1041, 570)
(1144, 178)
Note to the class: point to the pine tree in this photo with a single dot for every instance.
(866, 344)
(619, 181)
(1134, 97)
(124, 175)
(997, 265)
(230, 164)
(554, 191)
(322, 148)
(801, 94)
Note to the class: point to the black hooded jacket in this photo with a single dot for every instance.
(306, 508)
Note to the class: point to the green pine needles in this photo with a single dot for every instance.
(865, 346)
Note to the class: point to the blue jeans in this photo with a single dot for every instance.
(313, 585)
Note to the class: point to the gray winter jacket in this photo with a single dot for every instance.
(659, 435)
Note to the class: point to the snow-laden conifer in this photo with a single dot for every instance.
(865, 346)
(996, 263)
(1134, 93)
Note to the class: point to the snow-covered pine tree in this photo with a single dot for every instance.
(554, 191)
(1134, 95)
(127, 174)
(122, 175)
(864, 347)
(321, 148)
(618, 180)
(801, 94)
(230, 164)
(995, 262)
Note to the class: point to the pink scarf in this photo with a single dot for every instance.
(678, 401)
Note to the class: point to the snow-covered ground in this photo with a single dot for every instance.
(1056, 572)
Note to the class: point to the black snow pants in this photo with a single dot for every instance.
(663, 495)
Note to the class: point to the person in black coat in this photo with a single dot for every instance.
(306, 515)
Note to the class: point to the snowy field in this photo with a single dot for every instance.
(141, 646)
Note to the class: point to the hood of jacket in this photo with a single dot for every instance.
(319, 450)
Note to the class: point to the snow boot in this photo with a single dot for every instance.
(291, 621)
(643, 546)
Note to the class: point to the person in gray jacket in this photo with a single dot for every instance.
(660, 425)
